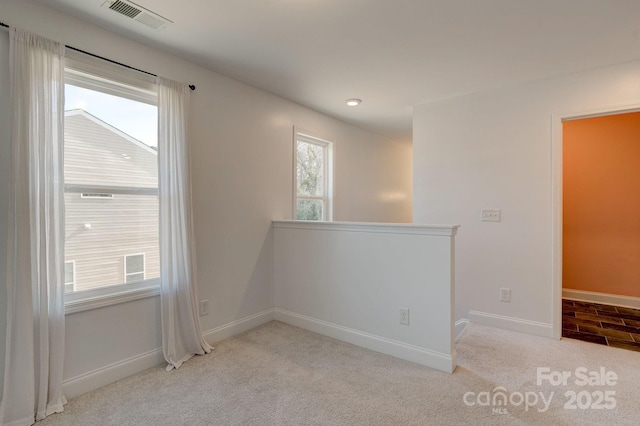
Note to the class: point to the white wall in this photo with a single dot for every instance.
(375, 184)
(493, 150)
(241, 147)
(348, 281)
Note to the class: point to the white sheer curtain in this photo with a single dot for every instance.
(181, 335)
(35, 274)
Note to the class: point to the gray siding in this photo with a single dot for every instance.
(96, 155)
(100, 232)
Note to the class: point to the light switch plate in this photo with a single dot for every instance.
(490, 215)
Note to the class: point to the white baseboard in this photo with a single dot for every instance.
(461, 328)
(440, 361)
(236, 327)
(603, 298)
(511, 323)
(103, 376)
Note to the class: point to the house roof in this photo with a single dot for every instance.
(98, 154)
(109, 127)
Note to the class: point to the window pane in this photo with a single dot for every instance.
(68, 273)
(133, 278)
(309, 210)
(98, 153)
(109, 154)
(136, 119)
(134, 264)
(310, 169)
(100, 233)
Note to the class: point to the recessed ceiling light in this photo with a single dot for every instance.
(353, 102)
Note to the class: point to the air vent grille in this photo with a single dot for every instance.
(138, 13)
(124, 9)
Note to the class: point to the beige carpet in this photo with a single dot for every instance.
(282, 375)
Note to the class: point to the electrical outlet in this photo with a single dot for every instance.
(404, 315)
(488, 215)
(203, 309)
(505, 294)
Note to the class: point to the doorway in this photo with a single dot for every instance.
(600, 239)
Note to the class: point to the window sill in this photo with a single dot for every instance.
(86, 300)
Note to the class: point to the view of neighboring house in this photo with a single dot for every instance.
(107, 174)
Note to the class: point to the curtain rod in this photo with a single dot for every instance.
(191, 86)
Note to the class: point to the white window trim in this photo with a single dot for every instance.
(120, 190)
(93, 73)
(97, 74)
(85, 300)
(327, 198)
(72, 283)
(144, 266)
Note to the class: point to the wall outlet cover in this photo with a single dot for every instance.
(505, 294)
(404, 315)
(203, 308)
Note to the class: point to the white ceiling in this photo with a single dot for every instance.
(392, 54)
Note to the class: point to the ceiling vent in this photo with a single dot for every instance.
(138, 13)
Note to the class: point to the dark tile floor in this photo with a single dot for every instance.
(602, 324)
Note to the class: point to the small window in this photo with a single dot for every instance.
(134, 268)
(69, 275)
(312, 178)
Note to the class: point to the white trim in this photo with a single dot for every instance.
(440, 361)
(602, 298)
(382, 228)
(556, 201)
(103, 376)
(90, 72)
(511, 323)
(311, 138)
(461, 327)
(121, 190)
(556, 226)
(86, 300)
(236, 327)
(73, 267)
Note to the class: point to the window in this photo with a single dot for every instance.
(134, 268)
(312, 178)
(111, 179)
(69, 275)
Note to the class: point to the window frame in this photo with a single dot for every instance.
(73, 271)
(327, 197)
(93, 73)
(144, 267)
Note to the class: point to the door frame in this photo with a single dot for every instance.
(556, 201)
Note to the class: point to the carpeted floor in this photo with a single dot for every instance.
(282, 375)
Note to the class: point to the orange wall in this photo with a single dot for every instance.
(601, 206)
